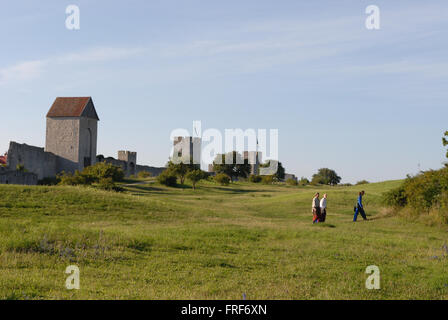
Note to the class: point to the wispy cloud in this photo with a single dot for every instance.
(22, 71)
(33, 69)
(100, 54)
(305, 46)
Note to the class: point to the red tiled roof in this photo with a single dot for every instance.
(68, 106)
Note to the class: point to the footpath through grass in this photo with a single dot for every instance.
(154, 242)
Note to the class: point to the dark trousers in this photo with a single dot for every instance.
(361, 211)
(323, 215)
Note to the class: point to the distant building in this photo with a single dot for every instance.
(72, 126)
(71, 144)
(127, 161)
(71, 140)
(255, 159)
(187, 149)
(290, 176)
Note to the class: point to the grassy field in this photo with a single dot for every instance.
(153, 242)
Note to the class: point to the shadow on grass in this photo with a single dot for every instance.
(145, 189)
(232, 190)
(324, 225)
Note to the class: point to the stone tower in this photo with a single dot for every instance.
(254, 158)
(187, 149)
(131, 161)
(72, 127)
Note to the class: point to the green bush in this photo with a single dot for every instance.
(426, 193)
(396, 197)
(103, 175)
(168, 178)
(346, 185)
(106, 184)
(103, 170)
(304, 181)
(72, 179)
(254, 178)
(267, 179)
(292, 182)
(222, 179)
(144, 174)
(362, 182)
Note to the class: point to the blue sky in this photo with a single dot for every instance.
(371, 104)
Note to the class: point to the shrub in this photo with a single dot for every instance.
(396, 197)
(103, 175)
(222, 179)
(144, 174)
(168, 178)
(254, 178)
(362, 182)
(103, 170)
(292, 182)
(106, 184)
(72, 179)
(424, 194)
(267, 179)
(304, 181)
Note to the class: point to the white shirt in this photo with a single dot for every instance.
(323, 203)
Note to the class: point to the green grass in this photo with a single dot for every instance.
(153, 242)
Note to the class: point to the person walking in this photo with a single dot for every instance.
(323, 208)
(359, 208)
(316, 208)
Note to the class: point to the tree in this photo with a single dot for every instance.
(280, 174)
(181, 169)
(304, 181)
(195, 176)
(326, 176)
(238, 167)
(445, 141)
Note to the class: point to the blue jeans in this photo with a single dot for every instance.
(361, 211)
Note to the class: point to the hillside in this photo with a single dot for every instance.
(153, 242)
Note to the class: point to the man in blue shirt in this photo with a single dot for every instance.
(360, 208)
